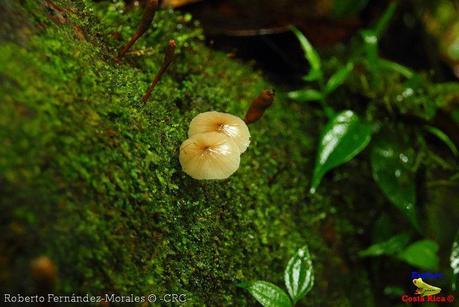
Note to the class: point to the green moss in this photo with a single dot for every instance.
(91, 178)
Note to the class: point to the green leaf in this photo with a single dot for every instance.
(311, 55)
(390, 247)
(338, 78)
(398, 68)
(392, 164)
(313, 75)
(345, 8)
(421, 254)
(454, 260)
(299, 274)
(342, 139)
(443, 137)
(384, 21)
(305, 95)
(267, 294)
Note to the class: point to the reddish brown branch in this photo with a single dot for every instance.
(259, 106)
(168, 57)
(149, 13)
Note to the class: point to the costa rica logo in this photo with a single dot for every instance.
(426, 292)
(424, 288)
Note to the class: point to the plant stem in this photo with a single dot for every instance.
(149, 13)
(168, 57)
(329, 112)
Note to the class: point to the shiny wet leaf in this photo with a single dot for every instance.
(342, 139)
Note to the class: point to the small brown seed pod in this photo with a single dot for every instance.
(259, 106)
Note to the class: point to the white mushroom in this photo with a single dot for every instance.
(209, 155)
(225, 123)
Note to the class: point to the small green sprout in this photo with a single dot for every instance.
(298, 277)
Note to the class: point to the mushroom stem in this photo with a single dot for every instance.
(149, 13)
(259, 106)
(168, 57)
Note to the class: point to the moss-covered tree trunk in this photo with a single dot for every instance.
(90, 178)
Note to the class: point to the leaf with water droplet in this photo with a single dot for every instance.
(342, 139)
(392, 162)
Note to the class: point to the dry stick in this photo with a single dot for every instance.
(259, 106)
(168, 57)
(149, 13)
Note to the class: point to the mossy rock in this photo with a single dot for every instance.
(90, 177)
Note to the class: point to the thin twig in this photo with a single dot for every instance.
(149, 13)
(259, 106)
(168, 57)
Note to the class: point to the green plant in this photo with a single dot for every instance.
(394, 158)
(299, 280)
(421, 254)
(397, 148)
(316, 74)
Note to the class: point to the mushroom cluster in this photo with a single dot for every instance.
(214, 145)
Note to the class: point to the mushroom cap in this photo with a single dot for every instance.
(209, 155)
(225, 123)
